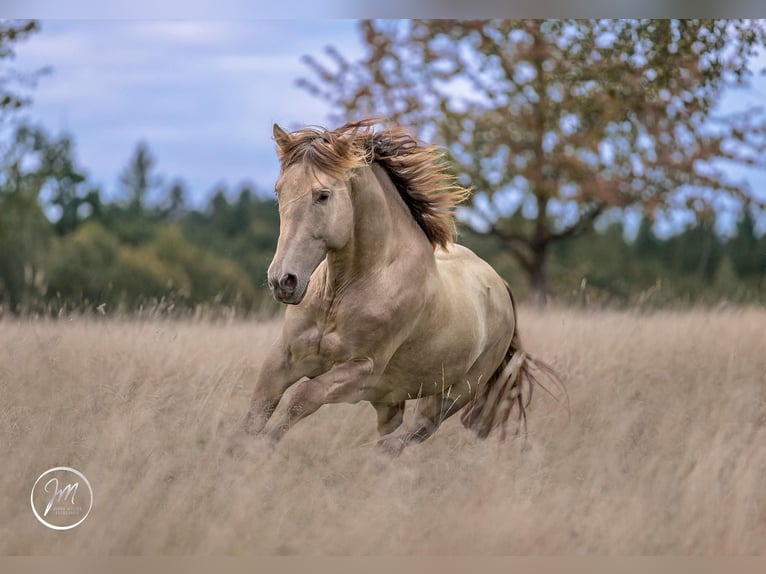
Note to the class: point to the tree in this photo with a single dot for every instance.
(176, 201)
(10, 33)
(696, 251)
(138, 178)
(561, 121)
(48, 163)
(746, 251)
(24, 232)
(24, 229)
(66, 182)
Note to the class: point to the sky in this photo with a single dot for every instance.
(202, 94)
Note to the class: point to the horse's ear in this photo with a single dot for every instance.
(281, 137)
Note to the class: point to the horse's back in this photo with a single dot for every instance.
(466, 274)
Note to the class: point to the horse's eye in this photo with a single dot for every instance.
(321, 195)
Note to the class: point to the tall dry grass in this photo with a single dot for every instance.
(664, 451)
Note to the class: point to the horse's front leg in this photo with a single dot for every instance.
(347, 382)
(276, 375)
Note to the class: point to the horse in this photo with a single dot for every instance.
(382, 305)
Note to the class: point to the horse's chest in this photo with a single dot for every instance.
(317, 343)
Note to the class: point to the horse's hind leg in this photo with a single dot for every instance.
(389, 416)
(429, 413)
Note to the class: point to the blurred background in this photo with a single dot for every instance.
(613, 162)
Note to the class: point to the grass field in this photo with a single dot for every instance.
(663, 450)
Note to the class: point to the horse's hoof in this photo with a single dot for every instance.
(253, 447)
(391, 446)
(242, 443)
(235, 448)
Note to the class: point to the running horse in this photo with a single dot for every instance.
(383, 305)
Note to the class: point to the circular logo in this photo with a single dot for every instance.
(61, 498)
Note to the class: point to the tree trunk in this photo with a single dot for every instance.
(531, 258)
(537, 275)
(704, 262)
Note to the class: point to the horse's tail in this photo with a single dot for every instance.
(511, 384)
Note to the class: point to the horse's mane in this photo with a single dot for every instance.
(418, 171)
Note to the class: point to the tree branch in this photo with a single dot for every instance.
(509, 239)
(580, 225)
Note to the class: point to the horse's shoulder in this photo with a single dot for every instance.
(459, 258)
(464, 273)
(454, 251)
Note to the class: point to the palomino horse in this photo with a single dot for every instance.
(383, 305)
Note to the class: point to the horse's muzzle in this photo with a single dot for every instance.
(285, 289)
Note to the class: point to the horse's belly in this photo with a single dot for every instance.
(409, 376)
(466, 332)
(469, 344)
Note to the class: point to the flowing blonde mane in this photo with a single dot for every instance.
(418, 171)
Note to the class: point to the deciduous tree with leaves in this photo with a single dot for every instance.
(23, 227)
(12, 83)
(557, 123)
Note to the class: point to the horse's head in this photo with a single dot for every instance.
(315, 216)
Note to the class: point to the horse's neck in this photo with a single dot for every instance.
(384, 229)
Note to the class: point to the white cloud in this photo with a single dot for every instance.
(59, 45)
(202, 94)
(260, 63)
(190, 32)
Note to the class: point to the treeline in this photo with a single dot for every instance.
(64, 247)
(694, 266)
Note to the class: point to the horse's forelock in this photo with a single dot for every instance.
(321, 149)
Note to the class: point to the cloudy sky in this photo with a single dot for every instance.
(202, 94)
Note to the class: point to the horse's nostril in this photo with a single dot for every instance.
(288, 282)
